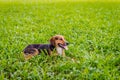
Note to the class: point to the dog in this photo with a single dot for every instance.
(57, 43)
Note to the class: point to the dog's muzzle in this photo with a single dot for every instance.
(64, 46)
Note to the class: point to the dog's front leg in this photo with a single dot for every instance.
(49, 52)
(63, 53)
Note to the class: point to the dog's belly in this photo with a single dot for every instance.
(59, 50)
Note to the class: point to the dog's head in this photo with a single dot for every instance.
(59, 41)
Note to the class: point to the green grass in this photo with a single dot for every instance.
(92, 28)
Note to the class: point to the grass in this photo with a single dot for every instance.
(92, 29)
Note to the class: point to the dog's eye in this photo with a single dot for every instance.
(56, 38)
(61, 39)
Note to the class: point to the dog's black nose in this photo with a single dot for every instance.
(67, 43)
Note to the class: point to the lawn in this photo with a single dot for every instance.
(92, 28)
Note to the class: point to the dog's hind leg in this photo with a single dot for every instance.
(30, 52)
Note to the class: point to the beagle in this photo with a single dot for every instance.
(57, 43)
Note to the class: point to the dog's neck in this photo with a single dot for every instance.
(59, 50)
(51, 47)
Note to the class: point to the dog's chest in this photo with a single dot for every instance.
(59, 50)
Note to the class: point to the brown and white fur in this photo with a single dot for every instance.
(57, 43)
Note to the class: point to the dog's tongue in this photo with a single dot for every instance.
(65, 47)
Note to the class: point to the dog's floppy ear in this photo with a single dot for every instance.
(52, 41)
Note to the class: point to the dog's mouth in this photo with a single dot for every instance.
(63, 46)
